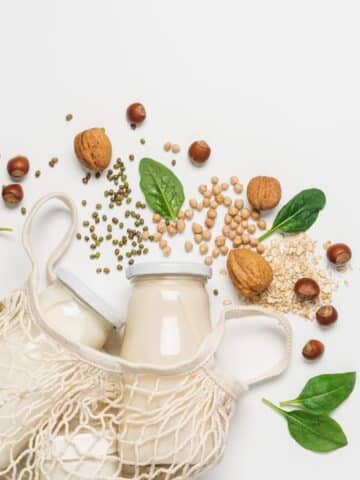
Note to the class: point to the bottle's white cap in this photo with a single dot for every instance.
(169, 268)
(88, 296)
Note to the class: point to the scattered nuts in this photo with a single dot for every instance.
(215, 252)
(313, 349)
(326, 315)
(189, 214)
(180, 225)
(196, 228)
(245, 213)
(238, 188)
(166, 251)
(206, 235)
(339, 253)
(224, 250)
(307, 289)
(93, 149)
(261, 224)
(209, 222)
(264, 193)
(198, 238)
(12, 194)
(214, 180)
(220, 241)
(199, 152)
(260, 249)
(234, 180)
(136, 113)
(250, 273)
(18, 167)
(167, 146)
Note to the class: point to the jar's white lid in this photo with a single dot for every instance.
(170, 268)
(88, 296)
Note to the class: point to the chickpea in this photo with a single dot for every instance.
(214, 180)
(215, 252)
(238, 188)
(163, 243)
(204, 248)
(214, 204)
(245, 224)
(233, 225)
(145, 235)
(227, 219)
(239, 230)
(224, 186)
(199, 206)
(175, 148)
(208, 194)
(232, 235)
(255, 215)
(245, 213)
(161, 228)
(226, 230)
(234, 180)
(260, 249)
(180, 226)
(245, 238)
(171, 229)
(193, 202)
(237, 242)
(206, 202)
(156, 218)
(254, 242)
(188, 246)
(202, 188)
(208, 261)
(198, 238)
(216, 189)
(220, 241)
(189, 214)
(227, 201)
(181, 215)
(219, 199)
(224, 250)
(239, 203)
(211, 213)
(167, 146)
(232, 211)
(237, 219)
(206, 235)
(251, 229)
(166, 251)
(157, 237)
(196, 228)
(261, 224)
(209, 222)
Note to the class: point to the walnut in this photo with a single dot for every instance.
(264, 193)
(250, 273)
(93, 149)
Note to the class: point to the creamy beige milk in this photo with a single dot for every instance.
(168, 318)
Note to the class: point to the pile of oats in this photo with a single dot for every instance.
(292, 258)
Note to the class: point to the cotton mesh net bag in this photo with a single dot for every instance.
(82, 414)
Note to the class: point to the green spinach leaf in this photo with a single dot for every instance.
(318, 433)
(299, 213)
(163, 191)
(323, 393)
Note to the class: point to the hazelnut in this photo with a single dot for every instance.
(339, 253)
(93, 149)
(199, 152)
(136, 113)
(18, 167)
(12, 194)
(264, 193)
(307, 289)
(326, 315)
(250, 273)
(313, 349)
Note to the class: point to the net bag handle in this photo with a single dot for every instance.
(63, 245)
(238, 312)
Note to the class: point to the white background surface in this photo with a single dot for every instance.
(272, 86)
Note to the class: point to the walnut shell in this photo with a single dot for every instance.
(93, 149)
(250, 273)
(264, 193)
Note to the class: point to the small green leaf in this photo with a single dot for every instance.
(324, 393)
(318, 433)
(6, 229)
(163, 191)
(299, 214)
